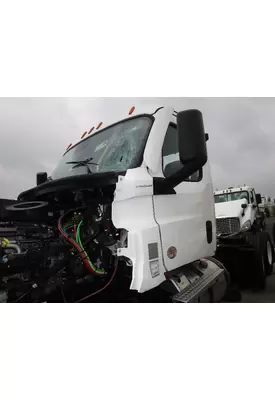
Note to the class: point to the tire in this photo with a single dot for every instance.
(268, 253)
(264, 258)
(259, 262)
(267, 213)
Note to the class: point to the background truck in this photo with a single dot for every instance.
(265, 205)
(127, 215)
(242, 241)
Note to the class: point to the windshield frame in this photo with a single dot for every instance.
(230, 193)
(111, 126)
(142, 149)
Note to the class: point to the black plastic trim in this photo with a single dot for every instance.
(72, 183)
(209, 231)
(161, 187)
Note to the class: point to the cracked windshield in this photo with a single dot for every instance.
(115, 149)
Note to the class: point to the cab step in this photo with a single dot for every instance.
(192, 291)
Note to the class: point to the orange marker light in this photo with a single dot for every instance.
(91, 130)
(99, 125)
(70, 145)
(132, 110)
(83, 135)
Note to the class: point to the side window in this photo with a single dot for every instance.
(170, 156)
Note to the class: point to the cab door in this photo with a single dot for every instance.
(186, 216)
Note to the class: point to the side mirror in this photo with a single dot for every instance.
(191, 136)
(192, 141)
(258, 198)
(41, 177)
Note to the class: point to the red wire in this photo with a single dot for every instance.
(100, 290)
(75, 245)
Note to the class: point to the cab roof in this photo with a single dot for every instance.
(234, 189)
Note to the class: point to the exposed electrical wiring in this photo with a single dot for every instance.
(79, 247)
(103, 288)
(99, 271)
(74, 244)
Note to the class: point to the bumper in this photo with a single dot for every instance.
(244, 241)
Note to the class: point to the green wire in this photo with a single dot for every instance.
(78, 240)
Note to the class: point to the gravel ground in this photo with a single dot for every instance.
(268, 295)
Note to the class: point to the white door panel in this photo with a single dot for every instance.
(182, 219)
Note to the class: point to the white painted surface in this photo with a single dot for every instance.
(177, 220)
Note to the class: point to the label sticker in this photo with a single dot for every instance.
(154, 267)
(153, 251)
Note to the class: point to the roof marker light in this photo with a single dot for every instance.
(70, 145)
(91, 130)
(84, 134)
(99, 125)
(132, 110)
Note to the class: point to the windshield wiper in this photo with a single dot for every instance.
(84, 163)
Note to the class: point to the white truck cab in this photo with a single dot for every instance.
(240, 233)
(236, 210)
(147, 174)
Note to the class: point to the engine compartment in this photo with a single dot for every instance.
(61, 245)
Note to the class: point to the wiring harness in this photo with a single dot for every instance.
(74, 238)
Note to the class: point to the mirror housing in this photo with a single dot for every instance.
(191, 137)
(244, 206)
(258, 199)
(41, 177)
(192, 145)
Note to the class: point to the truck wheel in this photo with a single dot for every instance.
(259, 260)
(264, 258)
(267, 213)
(268, 255)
